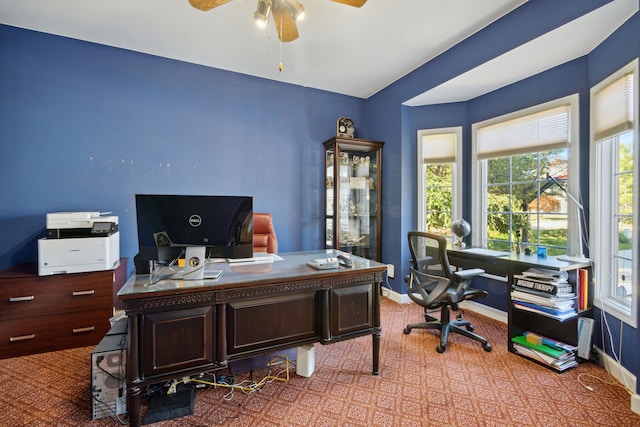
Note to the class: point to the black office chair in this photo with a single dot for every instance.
(434, 285)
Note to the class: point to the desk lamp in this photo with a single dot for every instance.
(579, 256)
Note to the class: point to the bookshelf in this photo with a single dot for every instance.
(548, 308)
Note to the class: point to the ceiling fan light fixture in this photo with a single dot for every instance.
(296, 9)
(261, 15)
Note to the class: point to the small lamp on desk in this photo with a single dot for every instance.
(461, 229)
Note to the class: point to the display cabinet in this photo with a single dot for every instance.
(353, 196)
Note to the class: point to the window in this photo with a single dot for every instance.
(614, 160)
(523, 206)
(525, 173)
(439, 178)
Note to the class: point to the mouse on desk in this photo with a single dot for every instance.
(345, 261)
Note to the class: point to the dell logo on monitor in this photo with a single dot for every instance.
(195, 220)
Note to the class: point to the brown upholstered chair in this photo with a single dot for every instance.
(264, 235)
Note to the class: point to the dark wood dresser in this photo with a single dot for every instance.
(49, 313)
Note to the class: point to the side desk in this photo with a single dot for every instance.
(180, 328)
(48, 313)
(509, 264)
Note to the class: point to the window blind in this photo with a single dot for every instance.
(613, 108)
(540, 131)
(439, 148)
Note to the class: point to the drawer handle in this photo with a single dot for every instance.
(22, 338)
(19, 299)
(80, 293)
(87, 329)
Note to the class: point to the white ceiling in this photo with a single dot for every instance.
(341, 49)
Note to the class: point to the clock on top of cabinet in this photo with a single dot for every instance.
(353, 198)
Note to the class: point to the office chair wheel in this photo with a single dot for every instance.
(407, 330)
(460, 316)
(441, 348)
(486, 347)
(470, 328)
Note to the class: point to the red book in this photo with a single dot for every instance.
(583, 289)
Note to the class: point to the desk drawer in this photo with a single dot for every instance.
(41, 296)
(271, 322)
(19, 337)
(490, 265)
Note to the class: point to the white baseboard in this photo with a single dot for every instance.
(476, 307)
(396, 297)
(635, 403)
(485, 310)
(620, 373)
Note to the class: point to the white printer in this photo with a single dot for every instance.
(77, 242)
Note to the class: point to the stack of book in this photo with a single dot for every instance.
(555, 354)
(550, 295)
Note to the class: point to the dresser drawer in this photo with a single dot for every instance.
(20, 337)
(45, 295)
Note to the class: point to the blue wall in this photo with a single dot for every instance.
(84, 127)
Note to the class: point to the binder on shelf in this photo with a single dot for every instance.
(541, 348)
(561, 316)
(583, 289)
(551, 355)
(553, 343)
(554, 311)
(557, 364)
(551, 301)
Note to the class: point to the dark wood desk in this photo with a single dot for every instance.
(507, 265)
(180, 328)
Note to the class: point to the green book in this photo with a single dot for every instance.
(542, 348)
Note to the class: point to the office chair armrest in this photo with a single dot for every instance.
(469, 273)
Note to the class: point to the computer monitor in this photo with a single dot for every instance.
(196, 227)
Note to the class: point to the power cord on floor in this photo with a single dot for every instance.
(616, 357)
(611, 381)
(247, 386)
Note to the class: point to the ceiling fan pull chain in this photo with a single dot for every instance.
(281, 66)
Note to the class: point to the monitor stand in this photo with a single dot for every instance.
(194, 262)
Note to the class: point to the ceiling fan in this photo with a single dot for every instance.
(284, 12)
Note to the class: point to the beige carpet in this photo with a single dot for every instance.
(465, 386)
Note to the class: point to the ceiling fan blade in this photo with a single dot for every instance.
(354, 3)
(285, 24)
(207, 4)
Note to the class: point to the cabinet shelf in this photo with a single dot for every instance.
(353, 178)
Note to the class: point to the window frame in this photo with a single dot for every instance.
(479, 169)
(456, 203)
(600, 228)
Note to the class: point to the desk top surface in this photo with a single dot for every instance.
(523, 260)
(290, 266)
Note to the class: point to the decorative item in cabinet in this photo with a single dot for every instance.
(353, 181)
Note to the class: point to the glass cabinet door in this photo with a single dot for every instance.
(353, 177)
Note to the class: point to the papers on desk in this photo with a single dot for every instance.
(485, 251)
(258, 258)
(208, 274)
